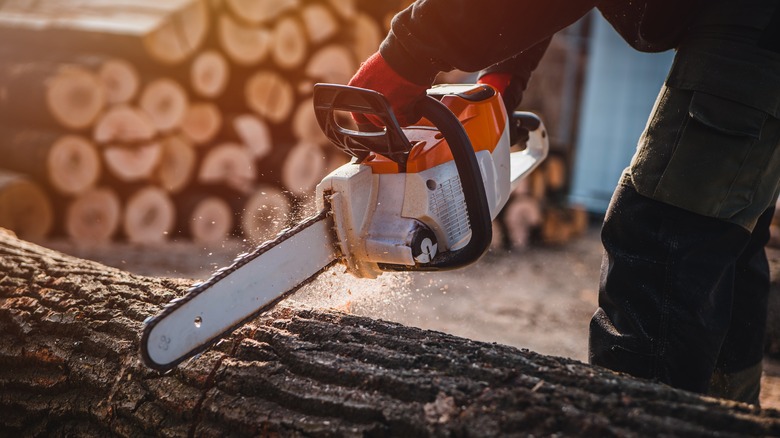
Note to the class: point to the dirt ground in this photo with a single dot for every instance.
(540, 298)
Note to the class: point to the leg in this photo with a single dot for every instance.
(666, 291)
(738, 372)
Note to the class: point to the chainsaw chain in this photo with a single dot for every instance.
(198, 288)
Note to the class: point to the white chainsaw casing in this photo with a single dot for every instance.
(378, 215)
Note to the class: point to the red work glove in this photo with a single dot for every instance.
(375, 74)
(497, 80)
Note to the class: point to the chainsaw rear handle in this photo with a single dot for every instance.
(393, 143)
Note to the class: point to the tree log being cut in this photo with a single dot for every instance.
(69, 333)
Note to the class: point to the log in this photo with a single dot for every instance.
(289, 43)
(202, 122)
(270, 95)
(162, 32)
(120, 79)
(69, 164)
(520, 218)
(135, 163)
(230, 164)
(24, 207)
(345, 8)
(244, 45)
(69, 331)
(252, 131)
(320, 23)
(124, 124)
(368, 34)
(305, 126)
(166, 102)
(93, 217)
(264, 213)
(303, 168)
(257, 12)
(209, 74)
(333, 63)
(203, 216)
(149, 216)
(50, 94)
(177, 164)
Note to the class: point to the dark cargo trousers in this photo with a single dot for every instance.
(685, 278)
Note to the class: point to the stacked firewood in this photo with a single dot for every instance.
(148, 119)
(191, 119)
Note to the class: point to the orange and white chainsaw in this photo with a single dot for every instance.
(421, 198)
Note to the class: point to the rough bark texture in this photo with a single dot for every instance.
(69, 366)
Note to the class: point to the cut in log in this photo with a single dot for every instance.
(202, 122)
(69, 331)
(166, 102)
(149, 216)
(177, 165)
(51, 95)
(333, 63)
(270, 95)
(304, 168)
(24, 207)
(289, 46)
(93, 217)
(124, 124)
(367, 36)
(266, 212)
(244, 45)
(204, 217)
(209, 74)
(254, 133)
(69, 164)
(320, 23)
(136, 163)
(256, 12)
(305, 126)
(120, 80)
(230, 164)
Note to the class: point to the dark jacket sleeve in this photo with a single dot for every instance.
(520, 66)
(440, 35)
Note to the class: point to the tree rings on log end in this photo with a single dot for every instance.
(73, 164)
(124, 124)
(209, 74)
(75, 97)
(304, 167)
(93, 217)
(165, 101)
(24, 207)
(136, 163)
(149, 216)
(230, 164)
(244, 45)
(270, 95)
(120, 79)
(202, 122)
(177, 165)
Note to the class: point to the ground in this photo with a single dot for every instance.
(540, 298)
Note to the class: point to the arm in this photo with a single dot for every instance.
(438, 35)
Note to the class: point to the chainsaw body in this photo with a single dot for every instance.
(422, 197)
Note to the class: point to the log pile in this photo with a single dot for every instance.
(191, 119)
(152, 119)
(69, 366)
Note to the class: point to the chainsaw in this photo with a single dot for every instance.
(419, 198)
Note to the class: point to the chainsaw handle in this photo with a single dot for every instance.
(471, 182)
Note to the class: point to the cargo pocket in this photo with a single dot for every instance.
(718, 161)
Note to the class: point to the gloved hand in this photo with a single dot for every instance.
(501, 81)
(376, 74)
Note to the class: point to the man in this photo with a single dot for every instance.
(684, 284)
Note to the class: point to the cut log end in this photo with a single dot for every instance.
(180, 35)
(177, 165)
(120, 79)
(270, 95)
(290, 46)
(202, 122)
(244, 45)
(165, 101)
(333, 63)
(93, 217)
(149, 216)
(230, 164)
(136, 163)
(73, 164)
(24, 207)
(209, 74)
(124, 124)
(75, 97)
(256, 12)
(207, 219)
(303, 168)
(255, 133)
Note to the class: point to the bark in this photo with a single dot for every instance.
(69, 365)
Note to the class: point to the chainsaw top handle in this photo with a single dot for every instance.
(393, 143)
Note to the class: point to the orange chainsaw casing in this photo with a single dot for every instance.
(484, 122)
